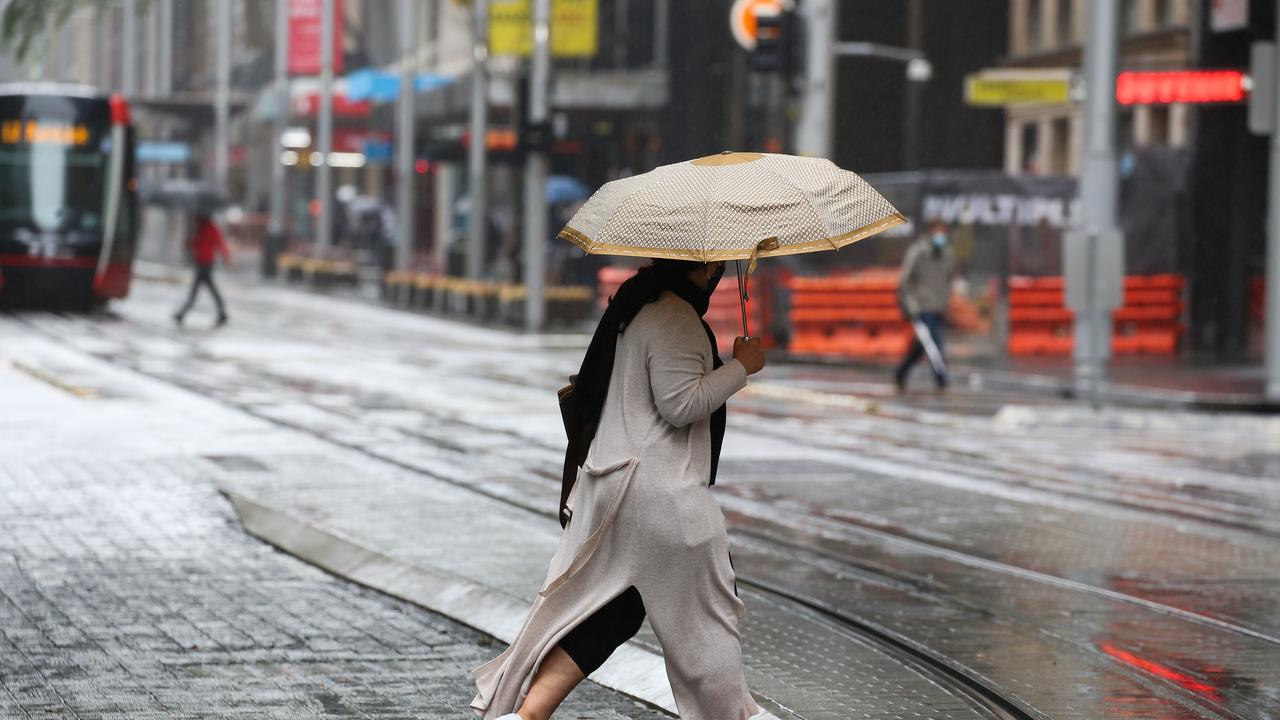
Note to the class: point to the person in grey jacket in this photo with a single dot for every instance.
(924, 291)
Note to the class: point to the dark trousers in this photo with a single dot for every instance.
(203, 276)
(594, 639)
(932, 321)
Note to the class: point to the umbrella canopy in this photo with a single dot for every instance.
(562, 189)
(183, 194)
(731, 206)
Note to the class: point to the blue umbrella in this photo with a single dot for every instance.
(562, 189)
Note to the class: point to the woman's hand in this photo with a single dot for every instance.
(749, 352)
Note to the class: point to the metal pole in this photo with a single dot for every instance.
(535, 174)
(661, 33)
(1098, 179)
(275, 226)
(1095, 353)
(165, 70)
(164, 78)
(477, 225)
(445, 184)
(151, 62)
(222, 97)
(404, 142)
(813, 131)
(915, 90)
(324, 128)
(129, 54)
(1271, 344)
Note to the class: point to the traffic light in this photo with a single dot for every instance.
(775, 38)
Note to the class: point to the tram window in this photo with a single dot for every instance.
(48, 188)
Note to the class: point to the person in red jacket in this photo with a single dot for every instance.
(206, 244)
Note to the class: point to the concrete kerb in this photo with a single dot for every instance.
(633, 670)
(1052, 386)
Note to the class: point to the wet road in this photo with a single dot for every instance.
(1069, 565)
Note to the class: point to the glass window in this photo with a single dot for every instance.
(1030, 161)
(1158, 125)
(1061, 143)
(1131, 17)
(51, 187)
(1035, 25)
(1066, 22)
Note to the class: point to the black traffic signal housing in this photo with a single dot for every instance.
(776, 43)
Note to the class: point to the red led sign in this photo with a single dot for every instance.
(1181, 86)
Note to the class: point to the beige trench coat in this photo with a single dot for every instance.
(644, 516)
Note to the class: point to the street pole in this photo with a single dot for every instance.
(813, 130)
(275, 226)
(164, 78)
(1098, 181)
(151, 63)
(222, 98)
(535, 173)
(477, 225)
(128, 55)
(404, 143)
(446, 181)
(165, 69)
(324, 128)
(917, 74)
(1271, 343)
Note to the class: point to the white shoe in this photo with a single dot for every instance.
(510, 716)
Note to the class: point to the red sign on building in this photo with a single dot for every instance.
(308, 104)
(305, 28)
(1180, 86)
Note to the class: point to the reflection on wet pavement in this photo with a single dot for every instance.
(1103, 567)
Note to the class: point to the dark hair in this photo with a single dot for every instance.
(664, 267)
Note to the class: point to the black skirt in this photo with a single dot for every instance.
(594, 639)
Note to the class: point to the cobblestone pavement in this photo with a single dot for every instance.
(128, 589)
(1091, 566)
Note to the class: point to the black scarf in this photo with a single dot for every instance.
(591, 384)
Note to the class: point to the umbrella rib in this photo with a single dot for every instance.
(808, 201)
(706, 212)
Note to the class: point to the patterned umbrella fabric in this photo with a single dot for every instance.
(731, 206)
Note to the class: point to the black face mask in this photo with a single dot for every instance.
(714, 280)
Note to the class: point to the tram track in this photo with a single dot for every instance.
(749, 506)
(949, 674)
(998, 704)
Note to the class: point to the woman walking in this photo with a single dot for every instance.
(645, 535)
(206, 245)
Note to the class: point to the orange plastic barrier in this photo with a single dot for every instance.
(848, 316)
(1149, 322)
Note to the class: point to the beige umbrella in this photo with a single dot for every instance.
(731, 206)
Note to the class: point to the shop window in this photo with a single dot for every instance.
(1066, 23)
(1125, 131)
(1158, 125)
(1030, 160)
(1130, 17)
(1035, 25)
(1060, 141)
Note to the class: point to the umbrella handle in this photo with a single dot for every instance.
(742, 298)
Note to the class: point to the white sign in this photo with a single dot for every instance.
(1228, 15)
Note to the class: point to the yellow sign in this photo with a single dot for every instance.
(574, 28)
(31, 132)
(1000, 90)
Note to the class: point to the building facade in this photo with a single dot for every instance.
(1046, 139)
